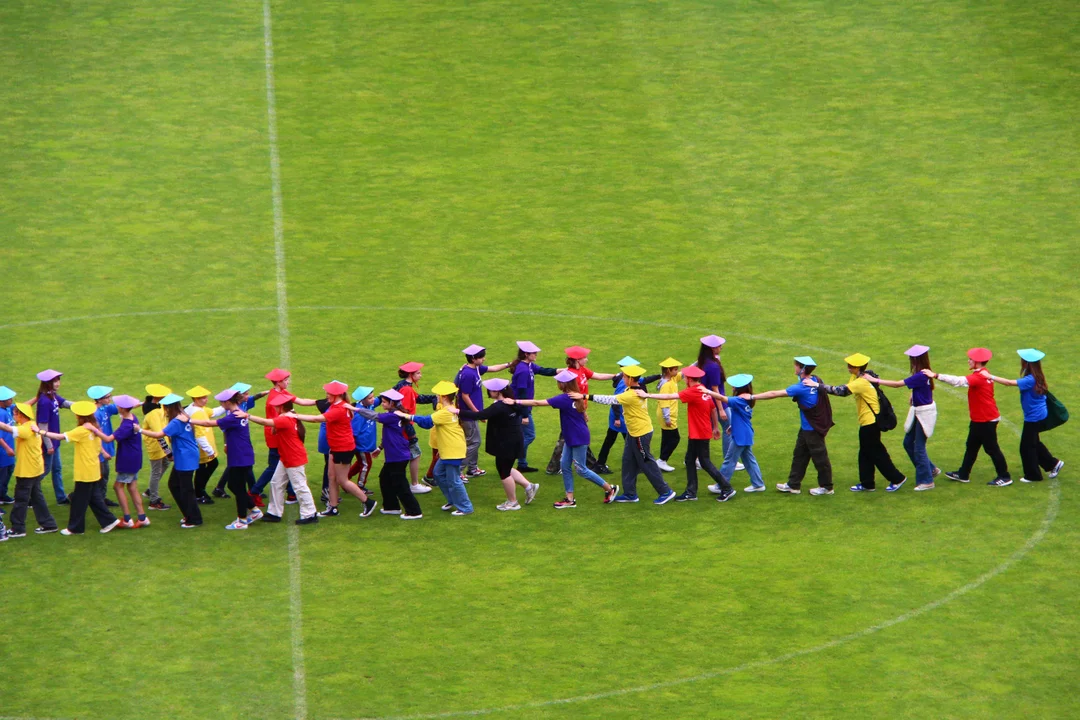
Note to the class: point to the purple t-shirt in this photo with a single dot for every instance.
(128, 447)
(394, 443)
(468, 382)
(523, 381)
(921, 392)
(48, 411)
(714, 378)
(238, 450)
(575, 430)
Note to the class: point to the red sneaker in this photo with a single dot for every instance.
(257, 499)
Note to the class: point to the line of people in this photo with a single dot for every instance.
(181, 434)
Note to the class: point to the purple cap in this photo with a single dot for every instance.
(713, 341)
(392, 394)
(126, 402)
(916, 350)
(47, 375)
(565, 376)
(473, 350)
(496, 384)
(526, 346)
(226, 394)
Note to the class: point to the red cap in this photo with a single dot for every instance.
(693, 371)
(336, 388)
(411, 367)
(277, 375)
(576, 352)
(279, 400)
(980, 354)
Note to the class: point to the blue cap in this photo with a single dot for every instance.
(171, 398)
(738, 381)
(6, 393)
(98, 391)
(362, 392)
(805, 360)
(241, 387)
(628, 361)
(1031, 354)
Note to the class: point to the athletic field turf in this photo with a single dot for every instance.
(799, 177)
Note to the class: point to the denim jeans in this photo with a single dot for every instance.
(573, 458)
(54, 466)
(272, 459)
(448, 477)
(528, 434)
(744, 453)
(725, 439)
(915, 444)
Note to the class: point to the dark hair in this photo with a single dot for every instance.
(1035, 369)
(748, 388)
(707, 354)
(859, 369)
(172, 410)
(87, 419)
(572, 363)
(402, 374)
(569, 386)
(478, 356)
(507, 392)
(920, 363)
(46, 387)
(806, 370)
(517, 360)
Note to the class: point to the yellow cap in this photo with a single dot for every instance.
(25, 409)
(197, 392)
(670, 362)
(633, 371)
(857, 360)
(157, 390)
(83, 408)
(444, 387)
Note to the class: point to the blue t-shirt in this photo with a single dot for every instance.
(238, 449)
(104, 415)
(615, 411)
(323, 444)
(742, 431)
(184, 448)
(1034, 405)
(6, 418)
(365, 431)
(468, 382)
(804, 396)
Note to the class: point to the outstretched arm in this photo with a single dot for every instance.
(881, 381)
(598, 399)
(603, 376)
(770, 394)
(657, 396)
(306, 418)
(257, 420)
(532, 403)
(1003, 381)
(203, 423)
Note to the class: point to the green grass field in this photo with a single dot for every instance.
(798, 176)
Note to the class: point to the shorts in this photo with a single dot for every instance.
(503, 466)
(414, 449)
(127, 478)
(343, 458)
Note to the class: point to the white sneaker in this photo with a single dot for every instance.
(384, 511)
(508, 506)
(697, 464)
(751, 489)
(715, 489)
(821, 491)
(109, 527)
(420, 489)
(411, 517)
(663, 465)
(530, 492)
(785, 488)
(1057, 468)
(739, 466)
(237, 524)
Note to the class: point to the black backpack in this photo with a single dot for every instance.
(886, 416)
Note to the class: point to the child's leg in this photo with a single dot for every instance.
(752, 469)
(122, 497)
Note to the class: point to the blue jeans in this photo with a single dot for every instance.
(528, 434)
(53, 465)
(745, 453)
(272, 459)
(448, 476)
(5, 479)
(573, 458)
(915, 444)
(725, 439)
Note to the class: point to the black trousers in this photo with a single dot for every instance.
(669, 440)
(28, 494)
(609, 442)
(239, 480)
(872, 454)
(203, 474)
(183, 493)
(983, 435)
(86, 495)
(395, 489)
(1033, 454)
(810, 445)
(637, 458)
(555, 463)
(698, 451)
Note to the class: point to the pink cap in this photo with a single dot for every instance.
(980, 354)
(917, 350)
(279, 400)
(411, 367)
(526, 346)
(565, 376)
(474, 350)
(713, 341)
(392, 395)
(496, 384)
(47, 375)
(336, 387)
(277, 375)
(693, 371)
(126, 402)
(226, 394)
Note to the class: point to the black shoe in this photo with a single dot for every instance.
(684, 497)
(111, 503)
(267, 517)
(724, 497)
(13, 534)
(219, 493)
(552, 471)
(65, 501)
(369, 507)
(955, 477)
(308, 520)
(527, 469)
(5, 500)
(602, 470)
(330, 511)
(45, 530)
(204, 500)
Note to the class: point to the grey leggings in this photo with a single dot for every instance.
(157, 471)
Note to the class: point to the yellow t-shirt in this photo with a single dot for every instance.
(201, 413)
(87, 449)
(451, 434)
(668, 387)
(866, 403)
(635, 413)
(154, 420)
(433, 438)
(28, 460)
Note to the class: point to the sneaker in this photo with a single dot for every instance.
(110, 527)
(403, 516)
(821, 491)
(257, 499)
(697, 464)
(626, 499)
(384, 511)
(219, 493)
(527, 469)
(785, 488)
(739, 467)
(447, 507)
(724, 497)
(310, 520)
(861, 488)
(549, 471)
(41, 531)
(893, 487)
(253, 515)
(955, 477)
(66, 501)
(186, 525)
(1025, 480)
(508, 506)
(475, 472)
(204, 500)
(663, 465)
(291, 500)
(1057, 469)
(5, 500)
(420, 489)
(924, 486)
(716, 489)
(602, 470)
(565, 503)
(330, 511)
(754, 488)
(271, 518)
(464, 479)
(142, 523)
(159, 504)
(610, 494)
(146, 494)
(126, 524)
(369, 507)
(1000, 482)
(936, 472)
(458, 513)
(237, 524)
(65, 532)
(530, 492)
(13, 534)
(685, 497)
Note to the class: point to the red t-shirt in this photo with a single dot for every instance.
(981, 402)
(699, 408)
(339, 428)
(408, 401)
(271, 413)
(291, 450)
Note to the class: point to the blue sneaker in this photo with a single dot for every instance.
(665, 498)
(893, 487)
(860, 488)
(626, 498)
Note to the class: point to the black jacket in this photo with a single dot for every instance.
(503, 428)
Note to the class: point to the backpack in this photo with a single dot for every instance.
(820, 415)
(886, 416)
(1056, 413)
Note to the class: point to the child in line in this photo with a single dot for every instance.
(410, 374)
(204, 436)
(398, 497)
(7, 444)
(1034, 456)
(365, 434)
(105, 412)
(87, 438)
(452, 448)
(29, 471)
(185, 450)
(667, 412)
(129, 456)
(291, 466)
(157, 448)
(815, 421)
(239, 455)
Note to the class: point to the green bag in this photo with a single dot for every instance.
(1056, 413)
